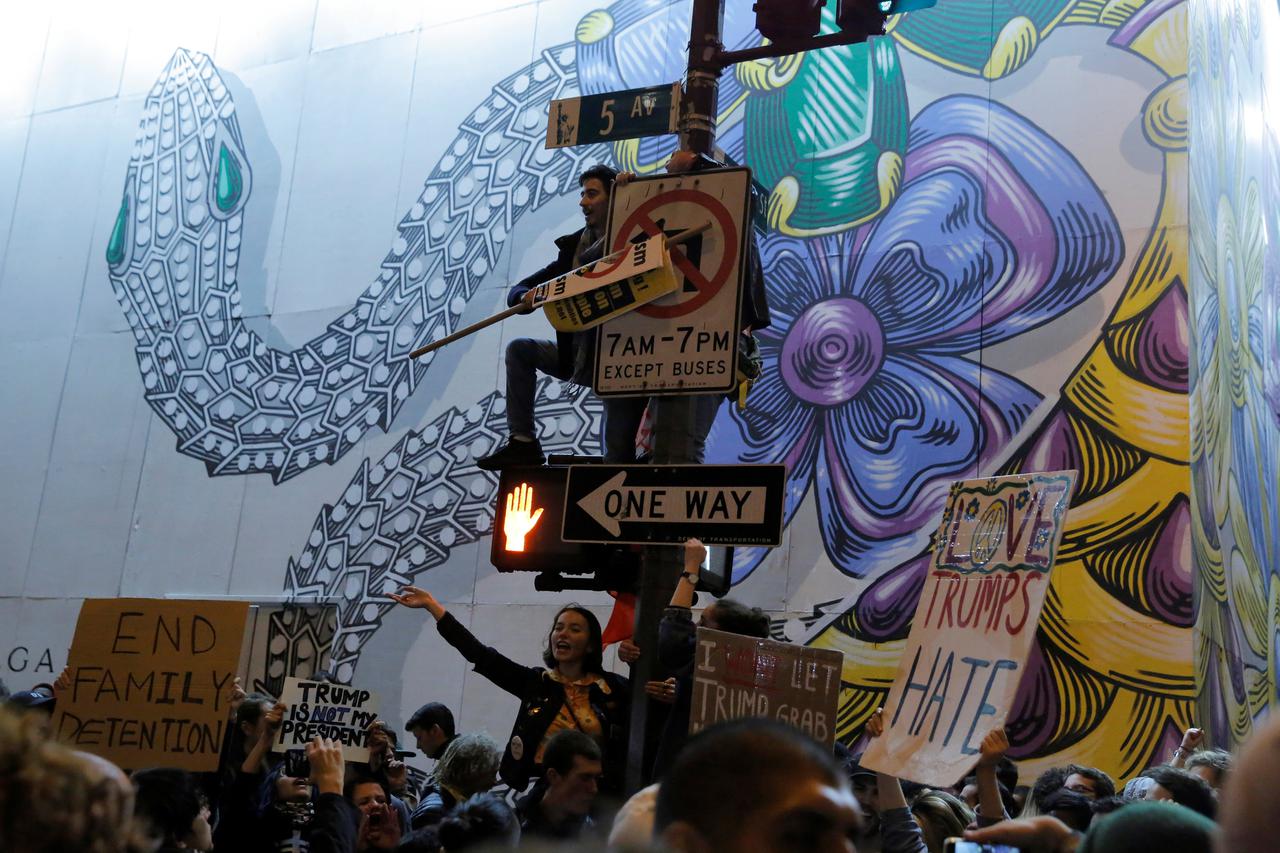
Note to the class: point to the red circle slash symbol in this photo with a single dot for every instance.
(641, 219)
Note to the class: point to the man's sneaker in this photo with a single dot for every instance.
(511, 454)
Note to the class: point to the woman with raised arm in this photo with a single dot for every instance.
(571, 691)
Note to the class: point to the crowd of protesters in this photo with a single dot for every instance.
(747, 785)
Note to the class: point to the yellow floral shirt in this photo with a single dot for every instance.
(576, 696)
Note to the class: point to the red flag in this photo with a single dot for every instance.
(622, 620)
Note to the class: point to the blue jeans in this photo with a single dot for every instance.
(525, 357)
(680, 427)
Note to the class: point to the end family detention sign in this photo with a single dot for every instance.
(150, 681)
(974, 625)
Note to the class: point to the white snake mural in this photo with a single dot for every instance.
(878, 215)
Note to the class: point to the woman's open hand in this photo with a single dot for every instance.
(418, 598)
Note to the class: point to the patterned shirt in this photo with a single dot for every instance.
(582, 718)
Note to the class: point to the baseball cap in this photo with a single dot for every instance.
(31, 699)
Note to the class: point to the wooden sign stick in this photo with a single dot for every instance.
(520, 308)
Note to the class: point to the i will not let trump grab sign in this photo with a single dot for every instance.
(974, 625)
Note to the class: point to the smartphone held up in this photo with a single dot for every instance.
(959, 845)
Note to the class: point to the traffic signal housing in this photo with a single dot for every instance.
(792, 21)
(526, 538)
(526, 534)
(861, 18)
(788, 20)
(868, 16)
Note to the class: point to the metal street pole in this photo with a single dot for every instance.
(660, 565)
(702, 86)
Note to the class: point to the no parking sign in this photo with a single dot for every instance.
(685, 342)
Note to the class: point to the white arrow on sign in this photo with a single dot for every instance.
(615, 501)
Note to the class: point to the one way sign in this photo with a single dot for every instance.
(719, 504)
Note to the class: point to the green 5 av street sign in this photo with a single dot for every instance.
(613, 115)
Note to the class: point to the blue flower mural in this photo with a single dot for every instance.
(870, 364)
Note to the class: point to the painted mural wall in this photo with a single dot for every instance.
(1235, 382)
(225, 228)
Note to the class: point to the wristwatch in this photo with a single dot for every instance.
(691, 577)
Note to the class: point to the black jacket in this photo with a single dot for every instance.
(540, 700)
(755, 300)
(566, 246)
(534, 824)
(677, 647)
(237, 827)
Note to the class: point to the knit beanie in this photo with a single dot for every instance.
(1148, 826)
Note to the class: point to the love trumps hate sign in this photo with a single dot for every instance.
(329, 710)
(150, 681)
(974, 625)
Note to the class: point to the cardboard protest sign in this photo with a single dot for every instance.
(150, 681)
(329, 710)
(587, 310)
(629, 261)
(974, 625)
(736, 676)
